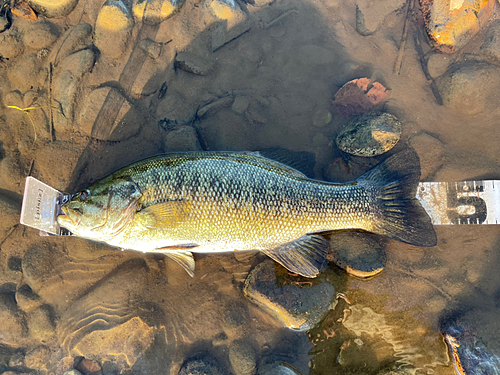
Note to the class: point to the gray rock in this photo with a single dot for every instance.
(74, 39)
(470, 87)
(430, 151)
(201, 365)
(298, 308)
(242, 357)
(438, 63)
(371, 14)
(12, 323)
(491, 44)
(360, 254)
(193, 63)
(66, 84)
(240, 104)
(52, 9)
(183, 138)
(40, 35)
(370, 134)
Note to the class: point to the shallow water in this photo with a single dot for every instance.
(64, 298)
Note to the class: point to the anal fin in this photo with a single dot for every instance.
(305, 256)
(182, 257)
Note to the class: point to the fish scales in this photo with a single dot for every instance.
(229, 199)
(212, 202)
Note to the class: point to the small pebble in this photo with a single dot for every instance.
(240, 104)
(183, 138)
(321, 117)
(152, 48)
(192, 63)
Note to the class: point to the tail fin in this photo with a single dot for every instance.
(403, 218)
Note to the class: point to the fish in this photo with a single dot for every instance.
(209, 202)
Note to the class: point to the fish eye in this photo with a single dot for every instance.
(84, 195)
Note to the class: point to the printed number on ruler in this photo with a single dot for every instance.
(465, 202)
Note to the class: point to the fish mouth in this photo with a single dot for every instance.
(70, 215)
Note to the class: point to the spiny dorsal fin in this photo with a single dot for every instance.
(305, 256)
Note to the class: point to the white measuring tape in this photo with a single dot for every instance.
(447, 203)
(465, 202)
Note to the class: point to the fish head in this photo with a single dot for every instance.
(101, 211)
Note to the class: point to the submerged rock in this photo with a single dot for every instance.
(242, 357)
(153, 12)
(360, 254)
(51, 8)
(470, 87)
(74, 39)
(370, 134)
(452, 24)
(491, 45)
(201, 365)
(40, 35)
(113, 28)
(371, 14)
(66, 84)
(13, 327)
(298, 308)
(183, 138)
(231, 21)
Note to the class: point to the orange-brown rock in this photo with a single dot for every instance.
(452, 23)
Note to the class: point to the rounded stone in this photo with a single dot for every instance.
(53, 8)
(470, 87)
(242, 357)
(153, 12)
(10, 45)
(201, 365)
(491, 45)
(40, 35)
(321, 117)
(360, 254)
(240, 104)
(438, 63)
(112, 29)
(370, 134)
(296, 307)
(183, 138)
(72, 372)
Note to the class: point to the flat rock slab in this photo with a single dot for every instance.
(297, 307)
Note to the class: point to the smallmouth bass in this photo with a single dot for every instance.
(181, 203)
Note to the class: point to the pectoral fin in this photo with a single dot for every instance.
(181, 257)
(305, 256)
(163, 215)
